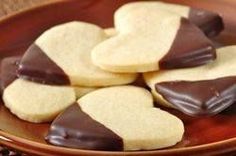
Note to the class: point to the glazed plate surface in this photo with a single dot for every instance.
(203, 136)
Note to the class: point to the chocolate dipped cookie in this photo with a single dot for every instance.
(120, 118)
(205, 90)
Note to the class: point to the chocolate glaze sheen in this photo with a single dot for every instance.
(209, 22)
(75, 129)
(9, 68)
(190, 48)
(207, 97)
(38, 67)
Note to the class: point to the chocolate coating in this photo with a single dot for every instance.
(36, 66)
(231, 110)
(209, 22)
(207, 97)
(9, 68)
(190, 48)
(75, 129)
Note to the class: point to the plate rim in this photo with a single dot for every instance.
(51, 148)
(18, 140)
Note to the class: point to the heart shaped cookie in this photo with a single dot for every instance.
(36, 102)
(9, 67)
(204, 90)
(116, 118)
(209, 22)
(61, 56)
(31, 101)
(150, 39)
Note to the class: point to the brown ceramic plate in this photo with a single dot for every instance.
(203, 136)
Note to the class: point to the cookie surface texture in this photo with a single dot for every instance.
(36, 102)
(210, 23)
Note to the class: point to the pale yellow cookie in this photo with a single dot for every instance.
(149, 39)
(110, 32)
(36, 102)
(210, 23)
(65, 52)
(224, 66)
(128, 111)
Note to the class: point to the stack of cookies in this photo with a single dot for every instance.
(87, 79)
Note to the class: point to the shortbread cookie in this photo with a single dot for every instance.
(204, 90)
(9, 68)
(61, 56)
(110, 32)
(37, 102)
(116, 118)
(209, 22)
(31, 101)
(151, 40)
